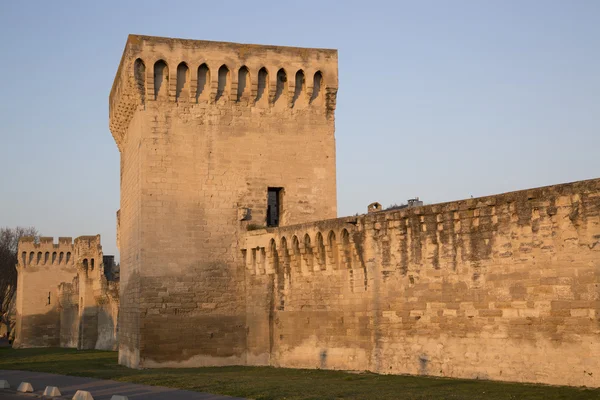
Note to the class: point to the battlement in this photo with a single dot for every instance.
(45, 252)
(473, 224)
(219, 74)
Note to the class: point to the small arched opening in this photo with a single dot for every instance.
(202, 84)
(299, 86)
(296, 256)
(262, 88)
(139, 73)
(317, 83)
(308, 252)
(243, 82)
(346, 249)
(321, 254)
(282, 85)
(333, 249)
(223, 82)
(183, 79)
(161, 79)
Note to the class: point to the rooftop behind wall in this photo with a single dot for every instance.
(198, 71)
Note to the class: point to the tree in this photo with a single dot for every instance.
(9, 242)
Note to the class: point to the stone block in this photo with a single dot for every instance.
(4, 384)
(51, 391)
(25, 387)
(82, 395)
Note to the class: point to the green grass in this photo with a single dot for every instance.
(265, 383)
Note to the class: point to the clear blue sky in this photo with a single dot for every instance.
(437, 99)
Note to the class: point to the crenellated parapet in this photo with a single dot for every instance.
(85, 251)
(88, 254)
(44, 252)
(418, 240)
(220, 74)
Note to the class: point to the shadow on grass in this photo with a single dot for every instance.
(267, 383)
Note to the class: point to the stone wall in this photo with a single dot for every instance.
(41, 268)
(63, 296)
(204, 129)
(502, 287)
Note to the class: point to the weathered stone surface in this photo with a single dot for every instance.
(25, 387)
(500, 287)
(55, 282)
(198, 154)
(502, 290)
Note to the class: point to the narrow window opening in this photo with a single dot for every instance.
(263, 81)
(203, 79)
(281, 89)
(31, 256)
(273, 206)
(61, 256)
(308, 253)
(48, 298)
(243, 82)
(299, 86)
(39, 257)
(318, 79)
(321, 254)
(53, 257)
(24, 257)
(296, 254)
(139, 71)
(182, 81)
(68, 257)
(46, 257)
(85, 263)
(92, 264)
(222, 83)
(161, 79)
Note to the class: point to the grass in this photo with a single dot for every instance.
(265, 383)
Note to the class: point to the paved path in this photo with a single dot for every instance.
(100, 389)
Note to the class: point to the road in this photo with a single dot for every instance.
(100, 389)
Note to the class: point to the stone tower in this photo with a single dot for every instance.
(215, 139)
(63, 296)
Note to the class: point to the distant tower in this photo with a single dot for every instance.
(215, 139)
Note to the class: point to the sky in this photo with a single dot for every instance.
(438, 99)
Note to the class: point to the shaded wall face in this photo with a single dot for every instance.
(196, 178)
(69, 315)
(107, 325)
(130, 245)
(38, 309)
(504, 287)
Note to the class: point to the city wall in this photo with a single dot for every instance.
(502, 287)
(63, 297)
